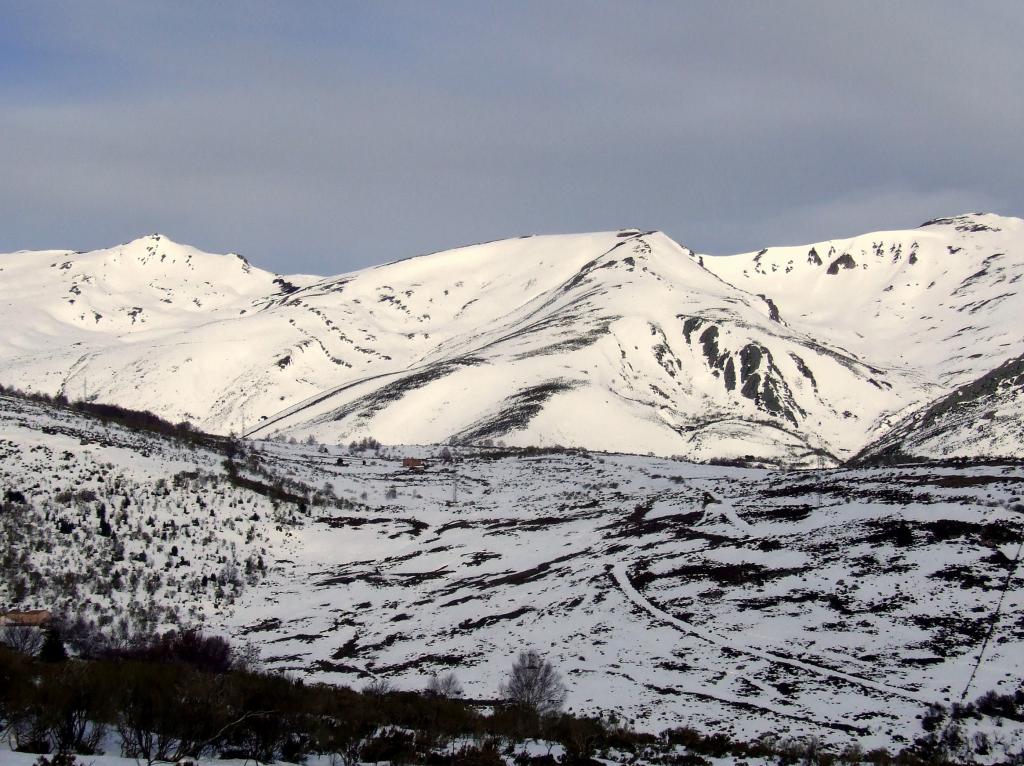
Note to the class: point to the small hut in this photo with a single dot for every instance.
(33, 618)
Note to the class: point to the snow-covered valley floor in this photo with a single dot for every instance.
(834, 603)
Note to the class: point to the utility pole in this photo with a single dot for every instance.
(821, 468)
(449, 457)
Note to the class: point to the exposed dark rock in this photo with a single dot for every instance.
(286, 287)
(709, 342)
(773, 310)
(762, 382)
(690, 325)
(730, 375)
(804, 369)
(845, 261)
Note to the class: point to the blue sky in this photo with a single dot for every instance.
(326, 136)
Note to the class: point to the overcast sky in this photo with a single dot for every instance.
(325, 136)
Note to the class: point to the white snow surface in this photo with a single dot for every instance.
(619, 341)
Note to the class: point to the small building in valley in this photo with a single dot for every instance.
(33, 618)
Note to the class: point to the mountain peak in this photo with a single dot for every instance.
(150, 244)
(151, 239)
(974, 222)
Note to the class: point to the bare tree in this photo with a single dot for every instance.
(534, 684)
(446, 685)
(22, 638)
(246, 658)
(378, 687)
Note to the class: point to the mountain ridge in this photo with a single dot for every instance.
(774, 355)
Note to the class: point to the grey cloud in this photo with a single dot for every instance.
(336, 136)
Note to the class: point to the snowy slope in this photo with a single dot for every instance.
(979, 419)
(943, 299)
(126, 529)
(621, 341)
(673, 359)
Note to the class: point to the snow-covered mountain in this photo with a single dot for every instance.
(621, 341)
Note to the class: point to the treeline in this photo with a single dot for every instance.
(185, 695)
(238, 456)
(143, 420)
(188, 696)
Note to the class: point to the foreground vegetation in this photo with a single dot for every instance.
(185, 695)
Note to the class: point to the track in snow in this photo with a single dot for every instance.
(622, 579)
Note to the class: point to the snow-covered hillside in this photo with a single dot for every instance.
(838, 603)
(979, 419)
(943, 299)
(620, 341)
(129, 530)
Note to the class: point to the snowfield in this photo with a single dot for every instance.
(836, 603)
(796, 356)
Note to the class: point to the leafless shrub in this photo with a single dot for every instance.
(378, 687)
(446, 685)
(22, 638)
(534, 684)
